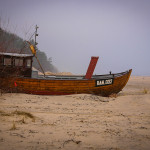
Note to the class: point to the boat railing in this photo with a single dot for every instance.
(51, 77)
(79, 77)
(107, 76)
(121, 74)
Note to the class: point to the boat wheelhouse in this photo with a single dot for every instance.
(14, 64)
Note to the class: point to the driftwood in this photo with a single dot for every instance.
(71, 140)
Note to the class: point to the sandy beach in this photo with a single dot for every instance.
(77, 122)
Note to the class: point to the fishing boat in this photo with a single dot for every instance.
(16, 75)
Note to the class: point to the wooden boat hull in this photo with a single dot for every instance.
(65, 86)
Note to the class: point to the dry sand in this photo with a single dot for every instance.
(77, 122)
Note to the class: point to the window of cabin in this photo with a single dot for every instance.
(28, 62)
(18, 62)
(1, 61)
(7, 61)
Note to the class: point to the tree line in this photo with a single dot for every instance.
(11, 43)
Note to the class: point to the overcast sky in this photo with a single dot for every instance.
(71, 31)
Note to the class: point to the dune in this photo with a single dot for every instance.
(79, 121)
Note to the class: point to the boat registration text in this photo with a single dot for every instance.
(102, 82)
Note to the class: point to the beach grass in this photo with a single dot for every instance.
(13, 126)
(23, 113)
(145, 91)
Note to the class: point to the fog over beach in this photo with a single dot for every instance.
(71, 31)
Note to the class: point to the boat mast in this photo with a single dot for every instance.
(36, 34)
(36, 27)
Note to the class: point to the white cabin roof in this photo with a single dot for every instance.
(16, 54)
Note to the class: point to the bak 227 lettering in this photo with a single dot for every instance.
(102, 82)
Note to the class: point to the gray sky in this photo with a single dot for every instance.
(71, 31)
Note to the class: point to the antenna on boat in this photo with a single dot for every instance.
(36, 34)
(33, 49)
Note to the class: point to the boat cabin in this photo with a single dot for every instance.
(14, 64)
